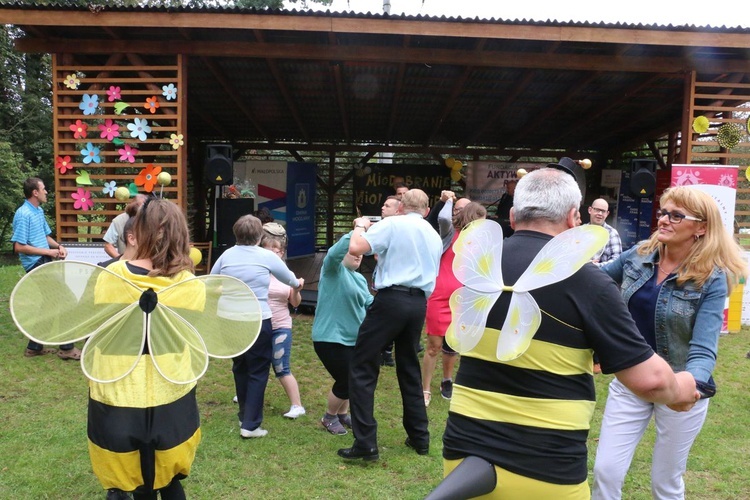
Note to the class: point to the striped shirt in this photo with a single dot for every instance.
(30, 228)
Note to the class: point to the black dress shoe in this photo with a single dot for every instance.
(421, 450)
(366, 454)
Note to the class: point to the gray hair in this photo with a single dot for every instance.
(546, 193)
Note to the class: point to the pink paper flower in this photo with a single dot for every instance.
(79, 129)
(113, 94)
(109, 129)
(82, 199)
(63, 164)
(127, 154)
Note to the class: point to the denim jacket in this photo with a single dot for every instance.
(688, 318)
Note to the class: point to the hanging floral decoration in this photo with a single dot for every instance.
(79, 129)
(139, 129)
(169, 92)
(113, 94)
(110, 188)
(176, 140)
(72, 81)
(109, 130)
(152, 104)
(120, 107)
(83, 178)
(147, 177)
(82, 199)
(89, 104)
(90, 154)
(700, 125)
(62, 163)
(729, 135)
(127, 153)
(747, 125)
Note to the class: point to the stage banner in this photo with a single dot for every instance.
(371, 189)
(719, 181)
(485, 180)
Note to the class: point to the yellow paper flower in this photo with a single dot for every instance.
(72, 81)
(747, 173)
(729, 135)
(700, 125)
(176, 140)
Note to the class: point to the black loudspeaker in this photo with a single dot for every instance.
(227, 212)
(642, 177)
(218, 167)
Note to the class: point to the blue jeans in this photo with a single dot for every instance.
(250, 372)
(282, 351)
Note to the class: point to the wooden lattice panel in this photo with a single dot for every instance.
(103, 152)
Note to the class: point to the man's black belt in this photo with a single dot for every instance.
(406, 289)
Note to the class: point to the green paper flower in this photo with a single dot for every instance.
(700, 125)
(729, 135)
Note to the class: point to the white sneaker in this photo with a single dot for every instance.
(295, 411)
(234, 399)
(257, 433)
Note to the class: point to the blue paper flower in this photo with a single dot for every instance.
(90, 153)
(169, 91)
(139, 129)
(89, 104)
(110, 188)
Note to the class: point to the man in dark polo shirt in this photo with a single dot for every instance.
(528, 419)
(408, 250)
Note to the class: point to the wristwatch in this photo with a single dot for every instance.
(360, 225)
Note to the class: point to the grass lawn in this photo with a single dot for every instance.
(43, 452)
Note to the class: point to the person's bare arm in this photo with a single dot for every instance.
(32, 250)
(111, 250)
(357, 244)
(653, 380)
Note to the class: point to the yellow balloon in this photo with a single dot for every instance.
(122, 193)
(455, 175)
(585, 163)
(449, 162)
(196, 256)
(521, 172)
(164, 178)
(457, 165)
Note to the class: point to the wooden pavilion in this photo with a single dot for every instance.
(337, 88)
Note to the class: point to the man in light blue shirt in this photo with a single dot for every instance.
(408, 250)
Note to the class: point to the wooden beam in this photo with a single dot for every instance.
(397, 93)
(340, 23)
(338, 83)
(381, 54)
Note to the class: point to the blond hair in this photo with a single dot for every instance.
(716, 248)
(414, 200)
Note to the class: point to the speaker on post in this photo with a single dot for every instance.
(218, 167)
(642, 177)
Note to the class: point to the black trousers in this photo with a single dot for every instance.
(398, 317)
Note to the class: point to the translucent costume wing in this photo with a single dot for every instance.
(477, 265)
(183, 323)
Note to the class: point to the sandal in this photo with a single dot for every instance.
(333, 426)
(30, 353)
(427, 398)
(73, 353)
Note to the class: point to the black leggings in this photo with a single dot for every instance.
(173, 491)
(336, 359)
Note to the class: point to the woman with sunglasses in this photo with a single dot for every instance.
(675, 285)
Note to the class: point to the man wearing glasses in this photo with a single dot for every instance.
(598, 212)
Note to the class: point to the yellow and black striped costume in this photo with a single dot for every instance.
(143, 430)
(530, 416)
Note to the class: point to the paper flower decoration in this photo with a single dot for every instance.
(62, 163)
(127, 154)
(82, 199)
(729, 135)
(89, 103)
(747, 125)
(118, 142)
(72, 81)
(113, 94)
(139, 129)
(90, 153)
(169, 91)
(110, 188)
(109, 129)
(147, 177)
(120, 107)
(176, 140)
(79, 129)
(133, 189)
(83, 178)
(700, 125)
(152, 104)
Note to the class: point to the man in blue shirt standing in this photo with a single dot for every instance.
(34, 245)
(408, 250)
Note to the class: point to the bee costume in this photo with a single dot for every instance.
(149, 339)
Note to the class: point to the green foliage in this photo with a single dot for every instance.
(11, 190)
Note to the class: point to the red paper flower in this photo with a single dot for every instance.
(79, 129)
(109, 129)
(63, 164)
(83, 199)
(147, 177)
(152, 104)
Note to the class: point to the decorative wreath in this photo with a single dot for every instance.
(729, 135)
